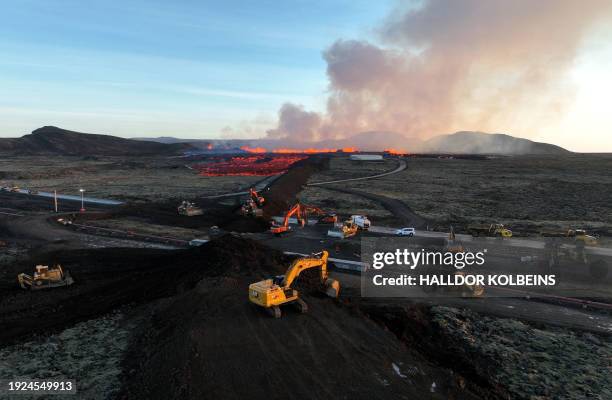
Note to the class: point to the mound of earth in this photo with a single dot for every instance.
(283, 192)
(108, 278)
(54, 140)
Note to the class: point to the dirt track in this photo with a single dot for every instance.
(402, 213)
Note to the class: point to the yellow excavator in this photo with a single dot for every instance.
(275, 292)
(45, 277)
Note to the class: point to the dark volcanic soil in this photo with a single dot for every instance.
(108, 278)
(203, 339)
(283, 192)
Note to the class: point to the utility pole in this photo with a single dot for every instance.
(55, 199)
(82, 200)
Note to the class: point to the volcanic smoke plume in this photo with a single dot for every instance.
(449, 65)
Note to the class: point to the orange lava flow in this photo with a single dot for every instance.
(396, 152)
(250, 165)
(253, 149)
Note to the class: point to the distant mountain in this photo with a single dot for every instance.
(487, 143)
(54, 140)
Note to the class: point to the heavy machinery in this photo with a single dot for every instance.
(252, 205)
(452, 245)
(275, 292)
(301, 212)
(259, 200)
(189, 209)
(361, 221)
(498, 230)
(250, 208)
(558, 251)
(348, 229)
(45, 277)
(295, 210)
(327, 219)
(577, 234)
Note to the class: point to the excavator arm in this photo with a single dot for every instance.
(305, 263)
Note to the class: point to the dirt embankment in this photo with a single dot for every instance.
(283, 192)
(210, 342)
(108, 278)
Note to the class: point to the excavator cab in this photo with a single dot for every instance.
(272, 293)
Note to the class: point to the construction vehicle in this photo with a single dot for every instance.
(452, 245)
(45, 277)
(348, 229)
(295, 210)
(302, 212)
(259, 200)
(498, 230)
(361, 221)
(250, 208)
(275, 292)
(327, 219)
(577, 234)
(189, 209)
(557, 251)
(252, 205)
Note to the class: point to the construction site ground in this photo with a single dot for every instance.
(164, 323)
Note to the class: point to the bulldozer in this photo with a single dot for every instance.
(45, 277)
(348, 229)
(275, 292)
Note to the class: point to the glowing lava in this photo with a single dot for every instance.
(396, 152)
(251, 165)
(253, 149)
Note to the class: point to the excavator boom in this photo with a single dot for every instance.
(272, 293)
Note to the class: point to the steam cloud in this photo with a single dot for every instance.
(450, 65)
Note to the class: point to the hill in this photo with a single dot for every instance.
(487, 143)
(54, 140)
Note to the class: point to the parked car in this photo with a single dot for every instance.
(405, 232)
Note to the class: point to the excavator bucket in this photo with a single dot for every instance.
(332, 288)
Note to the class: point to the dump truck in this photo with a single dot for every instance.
(275, 292)
(577, 234)
(45, 277)
(348, 229)
(361, 221)
(498, 230)
(189, 209)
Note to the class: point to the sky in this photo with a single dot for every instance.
(204, 69)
